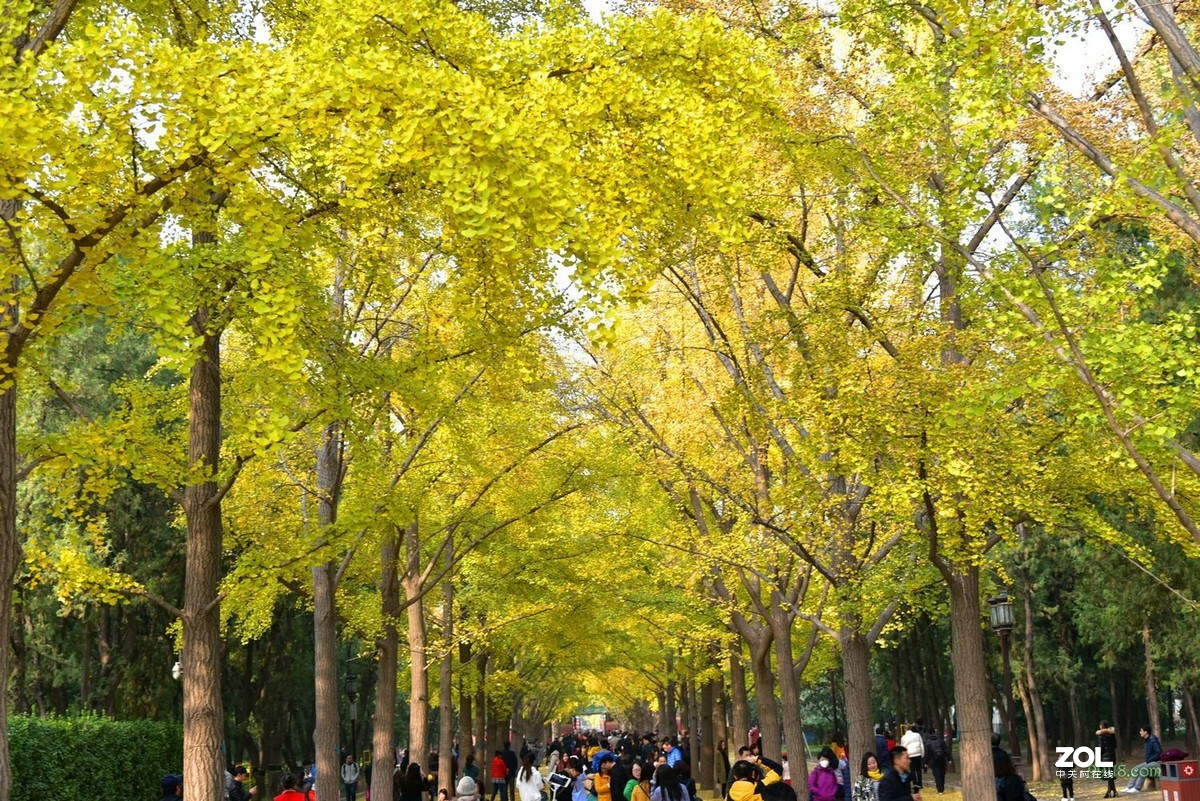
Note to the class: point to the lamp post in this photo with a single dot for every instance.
(177, 674)
(351, 683)
(1000, 609)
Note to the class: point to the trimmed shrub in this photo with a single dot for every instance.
(91, 757)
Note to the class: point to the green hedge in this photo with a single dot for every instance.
(91, 757)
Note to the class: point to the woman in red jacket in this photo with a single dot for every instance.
(499, 773)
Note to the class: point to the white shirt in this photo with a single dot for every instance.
(530, 789)
(913, 743)
(349, 772)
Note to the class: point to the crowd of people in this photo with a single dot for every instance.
(650, 767)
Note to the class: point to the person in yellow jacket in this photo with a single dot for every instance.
(638, 788)
(601, 782)
(745, 785)
(769, 771)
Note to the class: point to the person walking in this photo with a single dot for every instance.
(412, 785)
(883, 753)
(937, 756)
(822, 779)
(467, 789)
(511, 763)
(499, 774)
(1009, 786)
(237, 789)
(529, 780)
(667, 786)
(723, 765)
(638, 788)
(1106, 739)
(869, 776)
(602, 780)
(914, 743)
(350, 777)
(1151, 754)
(896, 784)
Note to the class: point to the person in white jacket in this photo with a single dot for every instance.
(350, 777)
(914, 743)
(529, 780)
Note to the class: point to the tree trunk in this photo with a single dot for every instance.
(446, 686)
(670, 715)
(466, 706)
(1151, 687)
(1115, 706)
(764, 690)
(719, 730)
(740, 713)
(685, 705)
(1040, 758)
(481, 661)
(10, 544)
(1077, 736)
(1170, 712)
(418, 709)
(327, 725)
(384, 720)
(201, 658)
(703, 739)
(693, 724)
(856, 681)
(1189, 711)
(789, 694)
(970, 688)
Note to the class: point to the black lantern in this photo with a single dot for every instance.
(351, 681)
(1001, 610)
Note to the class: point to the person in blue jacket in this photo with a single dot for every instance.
(1151, 755)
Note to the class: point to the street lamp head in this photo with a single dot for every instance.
(351, 682)
(1000, 609)
(177, 671)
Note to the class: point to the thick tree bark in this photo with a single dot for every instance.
(970, 688)
(418, 709)
(325, 682)
(740, 715)
(702, 739)
(1041, 757)
(1151, 687)
(764, 691)
(1193, 723)
(201, 658)
(789, 692)
(466, 705)
(388, 646)
(446, 684)
(481, 662)
(856, 681)
(10, 545)
(325, 579)
(671, 713)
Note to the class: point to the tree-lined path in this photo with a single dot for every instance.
(422, 373)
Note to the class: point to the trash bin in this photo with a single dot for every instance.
(1180, 781)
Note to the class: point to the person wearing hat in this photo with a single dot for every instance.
(467, 790)
(172, 787)
(237, 790)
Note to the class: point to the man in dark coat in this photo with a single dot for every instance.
(510, 760)
(896, 784)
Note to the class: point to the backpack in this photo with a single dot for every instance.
(936, 746)
(1172, 755)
